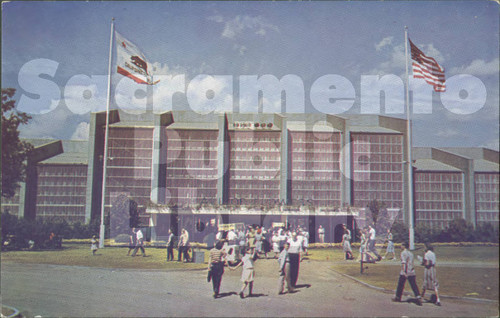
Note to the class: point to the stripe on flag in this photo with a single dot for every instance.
(131, 62)
(427, 68)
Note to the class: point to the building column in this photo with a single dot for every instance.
(469, 194)
(22, 199)
(285, 174)
(159, 160)
(30, 190)
(222, 160)
(95, 163)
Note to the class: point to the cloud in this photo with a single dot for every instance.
(244, 23)
(240, 48)
(478, 67)
(492, 144)
(57, 124)
(81, 99)
(447, 133)
(206, 94)
(385, 41)
(81, 132)
(395, 62)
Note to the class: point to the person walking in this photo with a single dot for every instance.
(372, 237)
(132, 241)
(183, 246)
(284, 270)
(407, 273)
(216, 261)
(430, 277)
(390, 246)
(346, 244)
(363, 240)
(294, 250)
(139, 243)
(247, 274)
(170, 246)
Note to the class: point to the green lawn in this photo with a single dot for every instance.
(454, 281)
(109, 257)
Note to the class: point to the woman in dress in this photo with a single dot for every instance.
(390, 245)
(346, 244)
(247, 274)
(362, 243)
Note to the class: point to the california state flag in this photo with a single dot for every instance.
(131, 62)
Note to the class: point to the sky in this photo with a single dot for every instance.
(331, 56)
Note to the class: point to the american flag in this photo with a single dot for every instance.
(427, 68)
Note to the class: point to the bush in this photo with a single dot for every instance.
(122, 238)
(399, 232)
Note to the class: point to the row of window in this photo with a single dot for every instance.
(315, 178)
(438, 177)
(374, 176)
(377, 138)
(439, 206)
(438, 215)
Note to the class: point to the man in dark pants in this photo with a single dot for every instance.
(294, 249)
(216, 262)
(139, 243)
(132, 241)
(407, 273)
(170, 246)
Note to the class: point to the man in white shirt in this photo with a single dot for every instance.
(371, 241)
(407, 273)
(294, 254)
(139, 243)
(321, 234)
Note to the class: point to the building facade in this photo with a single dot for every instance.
(183, 169)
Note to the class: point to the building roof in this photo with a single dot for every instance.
(302, 126)
(481, 165)
(194, 125)
(433, 165)
(372, 129)
(134, 124)
(75, 152)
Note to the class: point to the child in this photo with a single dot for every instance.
(93, 246)
(248, 271)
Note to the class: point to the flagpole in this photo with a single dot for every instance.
(409, 161)
(105, 156)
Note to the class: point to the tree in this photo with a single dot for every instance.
(377, 209)
(124, 215)
(14, 151)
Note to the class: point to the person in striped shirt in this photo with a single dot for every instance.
(216, 262)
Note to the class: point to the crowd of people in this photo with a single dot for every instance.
(289, 246)
(253, 243)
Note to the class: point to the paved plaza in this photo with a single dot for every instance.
(53, 290)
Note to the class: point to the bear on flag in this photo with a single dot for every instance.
(131, 62)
